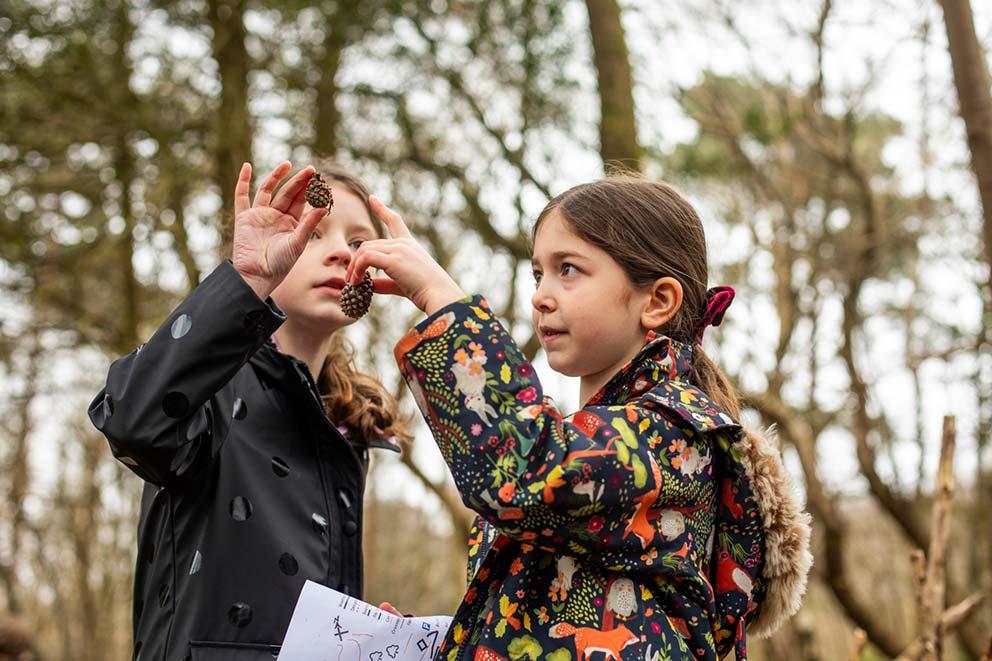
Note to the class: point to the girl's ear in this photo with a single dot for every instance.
(664, 301)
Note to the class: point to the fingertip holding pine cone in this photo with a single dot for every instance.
(318, 194)
(356, 299)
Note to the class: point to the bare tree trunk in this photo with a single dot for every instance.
(127, 330)
(326, 129)
(83, 531)
(339, 26)
(617, 127)
(17, 468)
(233, 125)
(971, 77)
(972, 81)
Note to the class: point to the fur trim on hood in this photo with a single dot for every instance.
(787, 531)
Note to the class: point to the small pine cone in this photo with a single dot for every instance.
(355, 300)
(319, 193)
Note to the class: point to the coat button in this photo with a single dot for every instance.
(239, 614)
(252, 321)
(350, 528)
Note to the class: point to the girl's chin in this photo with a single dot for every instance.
(321, 316)
(564, 367)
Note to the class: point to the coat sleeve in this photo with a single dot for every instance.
(583, 483)
(159, 409)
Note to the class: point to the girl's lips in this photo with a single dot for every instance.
(551, 334)
(331, 287)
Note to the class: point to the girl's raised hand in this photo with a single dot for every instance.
(411, 271)
(271, 233)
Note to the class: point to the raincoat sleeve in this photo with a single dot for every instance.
(160, 408)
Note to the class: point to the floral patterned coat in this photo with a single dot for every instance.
(629, 530)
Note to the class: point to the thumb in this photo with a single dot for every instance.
(389, 608)
(307, 225)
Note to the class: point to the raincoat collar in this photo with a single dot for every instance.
(661, 358)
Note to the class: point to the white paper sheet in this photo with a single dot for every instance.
(328, 625)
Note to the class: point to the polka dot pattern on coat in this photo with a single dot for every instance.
(103, 412)
(181, 326)
(241, 508)
(280, 467)
(175, 404)
(319, 523)
(288, 564)
(196, 564)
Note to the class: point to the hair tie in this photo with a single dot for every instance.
(718, 299)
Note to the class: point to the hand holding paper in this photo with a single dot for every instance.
(328, 625)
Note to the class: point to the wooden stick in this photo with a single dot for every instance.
(918, 561)
(930, 580)
(940, 530)
(857, 645)
(951, 619)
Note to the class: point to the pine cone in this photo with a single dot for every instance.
(319, 193)
(355, 300)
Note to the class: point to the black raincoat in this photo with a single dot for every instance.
(249, 489)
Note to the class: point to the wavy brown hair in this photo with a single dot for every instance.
(652, 232)
(352, 397)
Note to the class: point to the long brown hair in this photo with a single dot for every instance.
(652, 232)
(351, 397)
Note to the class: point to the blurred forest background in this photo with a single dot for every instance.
(840, 152)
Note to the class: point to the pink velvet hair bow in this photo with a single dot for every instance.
(718, 299)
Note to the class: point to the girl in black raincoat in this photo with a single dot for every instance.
(251, 428)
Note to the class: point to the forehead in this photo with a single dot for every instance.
(348, 212)
(555, 237)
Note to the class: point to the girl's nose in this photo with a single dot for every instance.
(338, 253)
(542, 300)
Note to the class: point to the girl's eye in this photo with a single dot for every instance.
(314, 236)
(355, 245)
(537, 276)
(568, 269)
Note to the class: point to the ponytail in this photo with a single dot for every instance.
(708, 377)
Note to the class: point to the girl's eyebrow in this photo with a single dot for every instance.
(351, 228)
(557, 256)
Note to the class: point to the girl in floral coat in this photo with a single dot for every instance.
(650, 524)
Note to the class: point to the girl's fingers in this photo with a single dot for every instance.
(241, 201)
(264, 193)
(299, 202)
(294, 188)
(310, 220)
(366, 260)
(397, 228)
(379, 245)
(386, 286)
